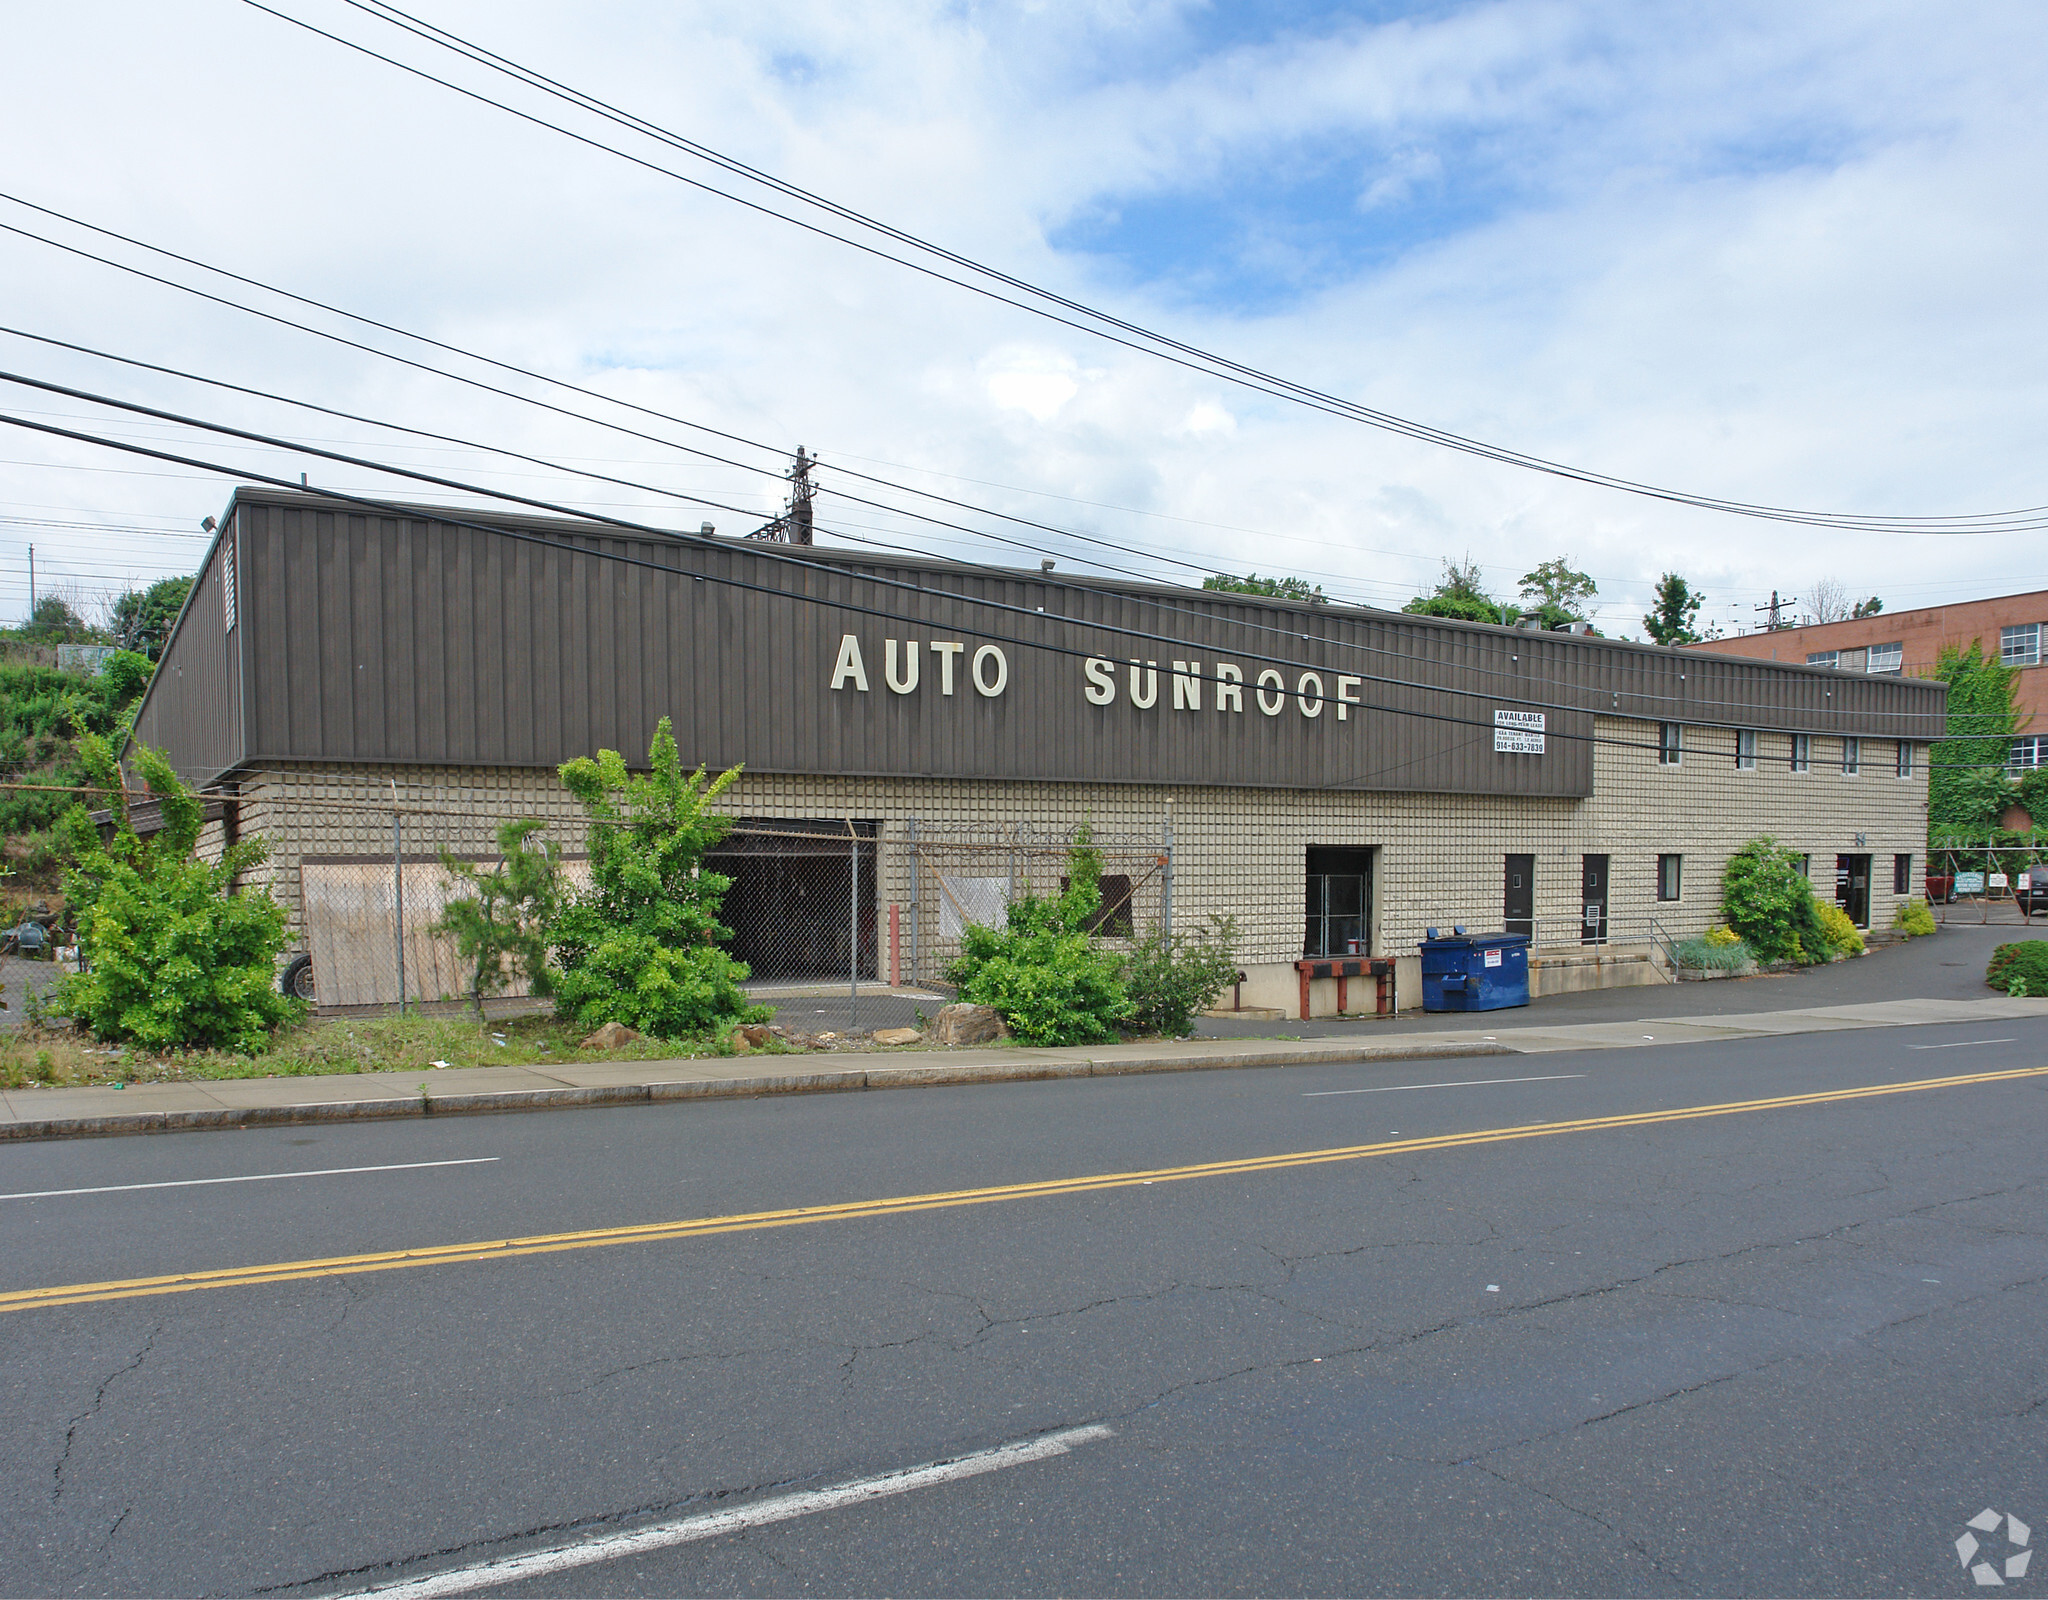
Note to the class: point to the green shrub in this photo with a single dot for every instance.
(1913, 919)
(640, 946)
(1722, 934)
(1841, 934)
(175, 957)
(1767, 900)
(1168, 980)
(1709, 954)
(503, 932)
(2020, 969)
(1045, 972)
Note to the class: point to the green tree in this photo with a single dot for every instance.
(1867, 608)
(640, 946)
(1045, 972)
(1555, 584)
(1967, 769)
(1459, 593)
(1278, 588)
(55, 621)
(503, 930)
(142, 618)
(1768, 901)
(175, 956)
(1673, 608)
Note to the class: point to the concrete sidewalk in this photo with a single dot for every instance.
(241, 1102)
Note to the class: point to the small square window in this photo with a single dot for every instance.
(1888, 658)
(2020, 645)
(1670, 877)
(2027, 754)
(1802, 752)
(1905, 758)
(1825, 658)
(1852, 757)
(1902, 874)
(1745, 748)
(1670, 744)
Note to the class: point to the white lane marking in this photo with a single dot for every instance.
(711, 1524)
(254, 1177)
(1468, 1083)
(1960, 1044)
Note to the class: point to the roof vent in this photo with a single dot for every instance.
(1573, 627)
(1532, 620)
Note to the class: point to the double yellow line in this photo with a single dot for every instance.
(75, 1294)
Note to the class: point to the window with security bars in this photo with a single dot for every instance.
(1905, 767)
(1339, 903)
(2020, 645)
(1745, 748)
(1802, 752)
(1889, 658)
(1670, 744)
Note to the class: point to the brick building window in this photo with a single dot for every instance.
(1802, 752)
(2020, 645)
(1670, 877)
(2027, 754)
(1887, 658)
(1852, 757)
(1824, 658)
(1670, 744)
(1902, 874)
(1745, 749)
(1905, 758)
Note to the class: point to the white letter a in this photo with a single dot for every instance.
(849, 665)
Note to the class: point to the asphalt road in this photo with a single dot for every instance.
(1783, 1350)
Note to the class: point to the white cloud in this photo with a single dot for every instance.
(1784, 255)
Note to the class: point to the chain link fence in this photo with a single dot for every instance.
(962, 874)
(844, 923)
(1988, 884)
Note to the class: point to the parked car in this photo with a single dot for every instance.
(1941, 888)
(2030, 891)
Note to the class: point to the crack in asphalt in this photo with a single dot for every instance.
(99, 1399)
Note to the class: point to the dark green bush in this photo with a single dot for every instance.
(1168, 980)
(1766, 899)
(2020, 968)
(641, 945)
(176, 957)
(1045, 973)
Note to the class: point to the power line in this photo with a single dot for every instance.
(787, 558)
(293, 447)
(1099, 324)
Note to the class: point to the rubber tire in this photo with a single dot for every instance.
(297, 980)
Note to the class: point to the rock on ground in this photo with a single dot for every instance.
(897, 1036)
(961, 1024)
(610, 1037)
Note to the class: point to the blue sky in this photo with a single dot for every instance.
(1785, 254)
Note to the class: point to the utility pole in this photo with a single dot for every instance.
(1773, 608)
(31, 583)
(794, 526)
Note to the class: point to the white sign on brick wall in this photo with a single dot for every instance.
(1518, 733)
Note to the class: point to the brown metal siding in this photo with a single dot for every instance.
(406, 639)
(194, 707)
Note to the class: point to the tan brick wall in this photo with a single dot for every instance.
(1239, 852)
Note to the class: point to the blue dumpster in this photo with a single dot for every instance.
(1475, 971)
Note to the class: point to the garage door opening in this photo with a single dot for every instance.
(792, 906)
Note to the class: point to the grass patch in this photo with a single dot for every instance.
(330, 1045)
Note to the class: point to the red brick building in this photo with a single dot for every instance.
(2013, 628)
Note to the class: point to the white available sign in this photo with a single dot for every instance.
(1518, 733)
